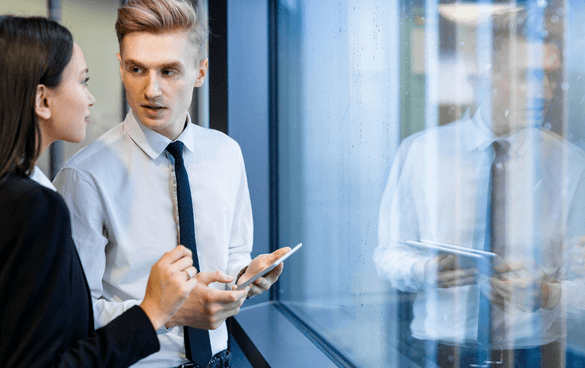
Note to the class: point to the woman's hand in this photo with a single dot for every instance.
(170, 283)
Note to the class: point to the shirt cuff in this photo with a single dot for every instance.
(554, 295)
(418, 271)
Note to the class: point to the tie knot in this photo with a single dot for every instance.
(176, 149)
(501, 147)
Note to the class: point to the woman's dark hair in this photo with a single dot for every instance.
(33, 51)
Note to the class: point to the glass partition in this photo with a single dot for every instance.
(430, 159)
(92, 26)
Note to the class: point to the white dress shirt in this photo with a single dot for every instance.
(120, 193)
(40, 177)
(438, 190)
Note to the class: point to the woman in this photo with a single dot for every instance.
(46, 316)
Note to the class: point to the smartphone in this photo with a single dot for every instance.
(269, 268)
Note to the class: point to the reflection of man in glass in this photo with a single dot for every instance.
(498, 183)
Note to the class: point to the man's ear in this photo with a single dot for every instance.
(119, 56)
(202, 72)
(42, 108)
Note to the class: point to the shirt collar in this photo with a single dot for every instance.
(481, 136)
(40, 177)
(153, 143)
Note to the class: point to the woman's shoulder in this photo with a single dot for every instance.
(20, 194)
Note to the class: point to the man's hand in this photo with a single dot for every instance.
(169, 284)
(208, 308)
(258, 264)
(524, 287)
(443, 272)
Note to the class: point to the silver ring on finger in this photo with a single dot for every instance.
(190, 273)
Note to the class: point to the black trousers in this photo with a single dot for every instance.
(447, 356)
(219, 360)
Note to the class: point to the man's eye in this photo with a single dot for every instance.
(169, 72)
(136, 70)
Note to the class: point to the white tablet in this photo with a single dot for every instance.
(269, 268)
(468, 257)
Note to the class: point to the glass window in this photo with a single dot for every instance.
(23, 8)
(430, 159)
(92, 26)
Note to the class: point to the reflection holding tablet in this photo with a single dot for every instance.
(454, 266)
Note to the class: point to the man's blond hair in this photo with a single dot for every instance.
(162, 16)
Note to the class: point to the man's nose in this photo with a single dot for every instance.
(153, 87)
(540, 86)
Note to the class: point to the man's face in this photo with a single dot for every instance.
(523, 82)
(159, 72)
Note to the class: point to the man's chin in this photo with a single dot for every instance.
(152, 122)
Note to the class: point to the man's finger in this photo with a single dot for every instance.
(177, 253)
(504, 288)
(448, 276)
(510, 267)
(273, 275)
(447, 263)
(461, 281)
(182, 263)
(217, 276)
(280, 252)
(224, 297)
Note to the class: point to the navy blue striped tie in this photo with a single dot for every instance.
(494, 241)
(197, 343)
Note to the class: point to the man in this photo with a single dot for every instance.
(155, 181)
(495, 182)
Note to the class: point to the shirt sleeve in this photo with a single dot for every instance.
(398, 222)
(241, 235)
(45, 310)
(573, 285)
(89, 220)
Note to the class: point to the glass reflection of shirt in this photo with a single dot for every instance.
(437, 190)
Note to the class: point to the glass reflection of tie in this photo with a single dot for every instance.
(495, 237)
(197, 343)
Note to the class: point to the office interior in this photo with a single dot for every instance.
(320, 95)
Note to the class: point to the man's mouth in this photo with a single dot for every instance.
(153, 107)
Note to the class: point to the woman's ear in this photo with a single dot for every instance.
(42, 103)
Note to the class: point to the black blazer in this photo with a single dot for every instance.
(46, 317)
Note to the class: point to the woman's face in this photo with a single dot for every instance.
(68, 103)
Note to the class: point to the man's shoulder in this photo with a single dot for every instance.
(215, 141)
(443, 135)
(96, 153)
(561, 144)
(558, 145)
(212, 134)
